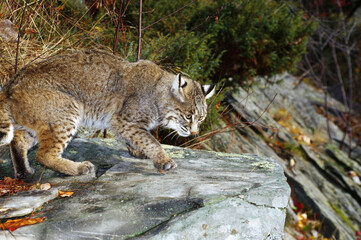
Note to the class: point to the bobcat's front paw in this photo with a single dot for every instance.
(165, 164)
(85, 167)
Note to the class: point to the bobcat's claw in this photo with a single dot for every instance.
(166, 165)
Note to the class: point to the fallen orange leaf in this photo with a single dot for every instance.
(302, 220)
(65, 194)
(14, 224)
(218, 105)
(11, 186)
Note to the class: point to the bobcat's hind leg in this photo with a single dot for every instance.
(54, 116)
(19, 147)
(52, 142)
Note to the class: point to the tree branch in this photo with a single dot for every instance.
(118, 27)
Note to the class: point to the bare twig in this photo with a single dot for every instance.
(350, 83)
(339, 74)
(19, 36)
(140, 30)
(118, 27)
(110, 13)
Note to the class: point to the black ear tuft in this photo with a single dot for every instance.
(177, 89)
(182, 82)
(208, 90)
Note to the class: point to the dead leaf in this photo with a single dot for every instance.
(305, 139)
(30, 31)
(3, 210)
(65, 194)
(353, 175)
(302, 220)
(58, 9)
(45, 186)
(11, 186)
(292, 162)
(14, 224)
(218, 105)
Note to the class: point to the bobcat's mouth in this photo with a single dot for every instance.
(177, 126)
(183, 131)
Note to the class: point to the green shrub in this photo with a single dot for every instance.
(259, 37)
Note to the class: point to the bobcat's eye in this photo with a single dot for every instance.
(201, 118)
(188, 116)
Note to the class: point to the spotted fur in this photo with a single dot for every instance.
(45, 103)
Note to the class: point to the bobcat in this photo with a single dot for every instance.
(45, 103)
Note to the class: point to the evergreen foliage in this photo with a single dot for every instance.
(233, 39)
(258, 37)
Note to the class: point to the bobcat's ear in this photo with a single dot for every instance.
(208, 90)
(177, 88)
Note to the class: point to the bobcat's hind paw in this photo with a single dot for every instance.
(21, 175)
(165, 164)
(85, 167)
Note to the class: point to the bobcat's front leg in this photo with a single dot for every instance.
(141, 140)
(135, 152)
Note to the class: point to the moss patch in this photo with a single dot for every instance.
(223, 154)
(263, 164)
(176, 154)
(339, 212)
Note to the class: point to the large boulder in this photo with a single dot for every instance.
(210, 195)
(282, 118)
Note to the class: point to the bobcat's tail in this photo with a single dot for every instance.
(6, 126)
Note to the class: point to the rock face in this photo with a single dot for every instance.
(293, 131)
(209, 196)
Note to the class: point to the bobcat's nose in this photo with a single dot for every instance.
(194, 128)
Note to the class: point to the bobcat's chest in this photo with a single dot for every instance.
(96, 121)
(152, 125)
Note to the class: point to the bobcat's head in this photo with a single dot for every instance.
(190, 107)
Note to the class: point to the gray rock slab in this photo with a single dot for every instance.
(24, 203)
(320, 173)
(212, 195)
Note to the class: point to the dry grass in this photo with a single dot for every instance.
(46, 30)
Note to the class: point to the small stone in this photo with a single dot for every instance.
(45, 186)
